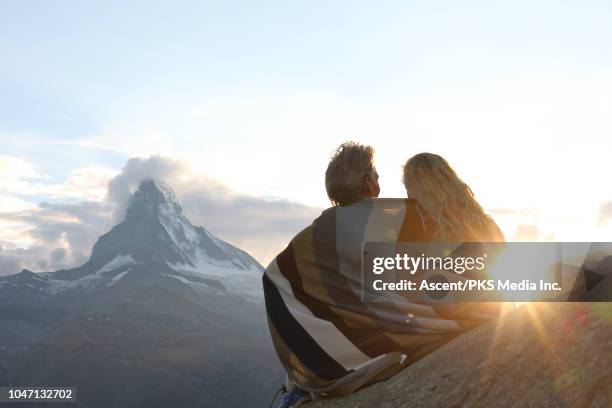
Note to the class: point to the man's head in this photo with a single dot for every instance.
(351, 174)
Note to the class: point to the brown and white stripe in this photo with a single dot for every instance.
(330, 341)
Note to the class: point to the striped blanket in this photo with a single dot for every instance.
(329, 341)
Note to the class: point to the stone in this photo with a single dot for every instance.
(541, 354)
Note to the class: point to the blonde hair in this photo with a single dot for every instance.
(450, 202)
(346, 171)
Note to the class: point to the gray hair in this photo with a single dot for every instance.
(347, 168)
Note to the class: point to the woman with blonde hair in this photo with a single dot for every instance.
(445, 202)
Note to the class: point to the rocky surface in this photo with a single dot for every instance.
(542, 354)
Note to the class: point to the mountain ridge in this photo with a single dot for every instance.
(161, 305)
(154, 231)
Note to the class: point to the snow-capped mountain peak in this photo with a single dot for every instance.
(154, 200)
(155, 240)
(155, 228)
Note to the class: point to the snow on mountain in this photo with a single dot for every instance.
(53, 283)
(233, 279)
(106, 275)
(118, 277)
(154, 240)
(155, 228)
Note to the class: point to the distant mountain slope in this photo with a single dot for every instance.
(163, 313)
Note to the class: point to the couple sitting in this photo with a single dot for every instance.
(330, 341)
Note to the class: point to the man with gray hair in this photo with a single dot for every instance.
(351, 174)
(350, 177)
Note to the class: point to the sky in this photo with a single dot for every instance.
(238, 106)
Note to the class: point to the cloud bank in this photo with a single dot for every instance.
(261, 226)
(605, 213)
(56, 235)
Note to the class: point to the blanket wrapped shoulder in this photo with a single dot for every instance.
(329, 341)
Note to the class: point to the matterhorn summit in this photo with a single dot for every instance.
(156, 229)
(154, 244)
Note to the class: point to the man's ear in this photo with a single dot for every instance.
(370, 187)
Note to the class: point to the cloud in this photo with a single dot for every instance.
(121, 187)
(9, 263)
(261, 226)
(503, 212)
(51, 236)
(14, 168)
(88, 183)
(13, 203)
(57, 255)
(21, 178)
(525, 232)
(605, 213)
(60, 234)
(129, 139)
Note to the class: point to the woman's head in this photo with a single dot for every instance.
(433, 183)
